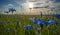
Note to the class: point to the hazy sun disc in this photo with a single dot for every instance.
(30, 5)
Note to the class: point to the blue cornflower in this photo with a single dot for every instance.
(27, 27)
(57, 22)
(57, 15)
(2, 22)
(51, 30)
(40, 22)
(37, 21)
(49, 22)
(32, 19)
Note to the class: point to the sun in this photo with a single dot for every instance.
(30, 5)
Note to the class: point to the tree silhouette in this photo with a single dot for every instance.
(12, 10)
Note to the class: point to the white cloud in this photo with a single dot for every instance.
(37, 3)
(6, 7)
(10, 5)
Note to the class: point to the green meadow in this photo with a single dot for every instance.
(10, 26)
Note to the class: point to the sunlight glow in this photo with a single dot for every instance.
(30, 5)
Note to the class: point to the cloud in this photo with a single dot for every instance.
(6, 7)
(24, 4)
(19, 1)
(38, 3)
(56, 1)
(10, 5)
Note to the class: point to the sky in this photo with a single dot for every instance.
(23, 5)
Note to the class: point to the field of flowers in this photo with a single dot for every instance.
(29, 25)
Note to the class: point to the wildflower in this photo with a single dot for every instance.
(2, 22)
(32, 19)
(57, 15)
(49, 22)
(27, 27)
(51, 30)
